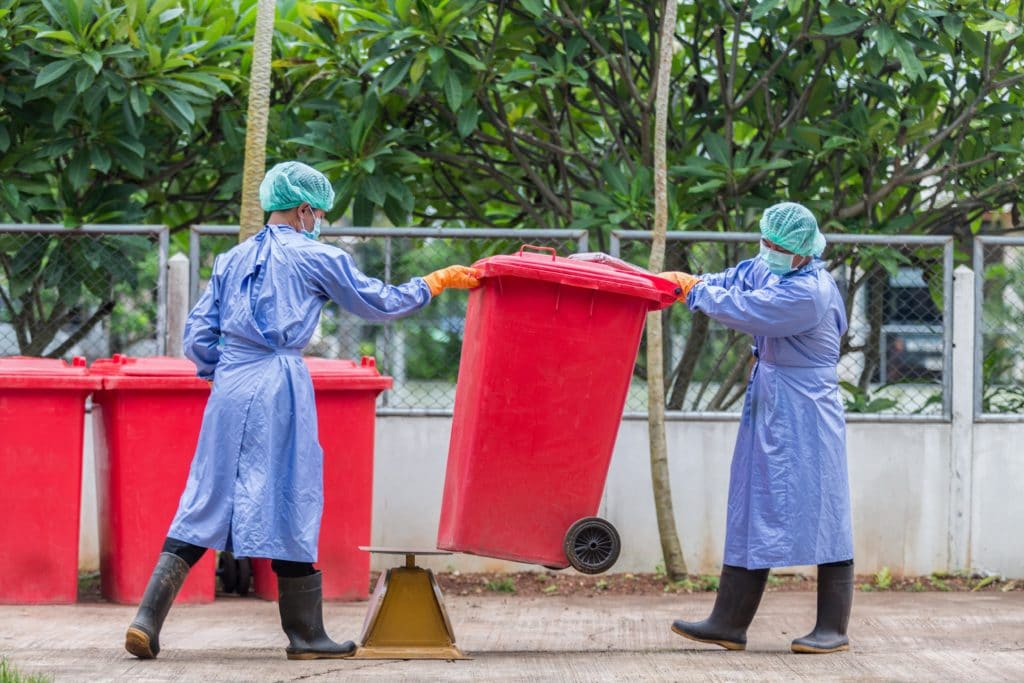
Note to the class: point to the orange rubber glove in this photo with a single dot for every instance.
(452, 277)
(684, 280)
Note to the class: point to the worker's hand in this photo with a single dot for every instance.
(685, 281)
(452, 277)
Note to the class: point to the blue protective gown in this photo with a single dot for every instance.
(789, 494)
(256, 483)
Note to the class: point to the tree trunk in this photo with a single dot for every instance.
(675, 564)
(251, 217)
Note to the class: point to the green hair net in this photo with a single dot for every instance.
(793, 227)
(289, 184)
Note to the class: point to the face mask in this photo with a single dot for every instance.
(778, 263)
(315, 232)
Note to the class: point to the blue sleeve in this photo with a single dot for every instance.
(202, 328)
(335, 276)
(745, 275)
(782, 309)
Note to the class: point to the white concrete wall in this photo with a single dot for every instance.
(997, 499)
(88, 525)
(899, 478)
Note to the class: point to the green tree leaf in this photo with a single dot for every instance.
(534, 7)
(453, 90)
(52, 71)
(467, 120)
(842, 27)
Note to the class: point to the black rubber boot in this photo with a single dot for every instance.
(302, 618)
(835, 599)
(143, 637)
(739, 594)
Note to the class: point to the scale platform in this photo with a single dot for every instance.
(406, 618)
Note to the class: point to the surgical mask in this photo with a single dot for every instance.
(315, 232)
(778, 263)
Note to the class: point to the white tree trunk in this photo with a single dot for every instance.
(675, 563)
(251, 217)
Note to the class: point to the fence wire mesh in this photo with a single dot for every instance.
(999, 329)
(90, 291)
(893, 358)
(420, 352)
(98, 290)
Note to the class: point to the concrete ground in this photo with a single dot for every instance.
(895, 637)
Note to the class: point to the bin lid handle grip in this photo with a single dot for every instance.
(534, 247)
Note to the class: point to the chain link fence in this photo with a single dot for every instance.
(89, 291)
(895, 358)
(420, 352)
(98, 290)
(999, 325)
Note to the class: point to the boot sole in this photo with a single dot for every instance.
(801, 649)
(318, 655)
(137, 643)
(727, 644)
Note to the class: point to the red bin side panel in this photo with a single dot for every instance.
(543, 379)
(143, 458)
(41, 467)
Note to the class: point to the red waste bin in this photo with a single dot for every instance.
(152, 410)
(547, 358)
(42, 416)
(346, 395)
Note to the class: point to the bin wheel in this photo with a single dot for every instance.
(227, 572)
(592, 545)
(235, 573)
(244, 582)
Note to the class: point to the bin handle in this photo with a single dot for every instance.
(523, 248)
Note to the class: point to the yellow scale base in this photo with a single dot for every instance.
(406, 618)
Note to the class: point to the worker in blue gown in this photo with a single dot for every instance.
(789, 497)
(255, 487)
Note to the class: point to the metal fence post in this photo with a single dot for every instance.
(388, 351)
(582, 242)
(978, 264)
(948, 318)
(161, 290)
(193, 265)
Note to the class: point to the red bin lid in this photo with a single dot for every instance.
(25, 372)
(584, 274)
(153, 372)
(346, 374)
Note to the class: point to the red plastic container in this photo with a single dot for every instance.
(547, 357)
(346, 396)
(152, 409)
(42, 417)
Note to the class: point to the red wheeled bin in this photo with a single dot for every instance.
(42, 417)
(547, 357)
(346, 396)
(152, 409)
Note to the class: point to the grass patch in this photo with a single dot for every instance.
(8, 674)
(705, 583)
(506, 585)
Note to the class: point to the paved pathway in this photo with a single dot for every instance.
(896, 637)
